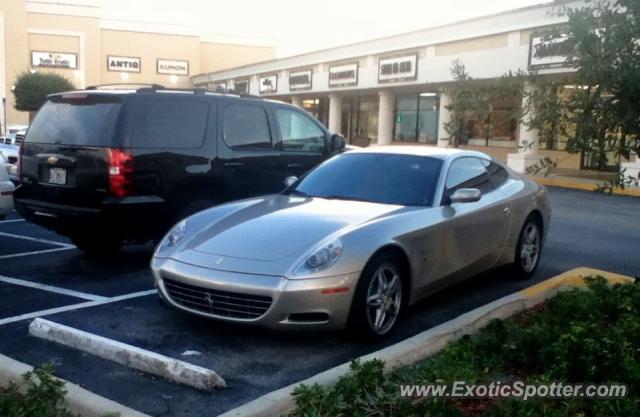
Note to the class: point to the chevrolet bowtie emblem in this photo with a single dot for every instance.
(52, 160)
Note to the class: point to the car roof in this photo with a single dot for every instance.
(421, 150)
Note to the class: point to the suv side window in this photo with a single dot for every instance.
(170, 123)
(298, 132)
(468, 172)
(246, 127)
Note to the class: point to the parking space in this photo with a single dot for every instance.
(587, 230)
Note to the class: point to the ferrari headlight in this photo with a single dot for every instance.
(175, 234)
(321, 259)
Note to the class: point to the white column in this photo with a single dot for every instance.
(335, 113)
(296, 101)
(444, 116)
(528, 140)
(385, 117)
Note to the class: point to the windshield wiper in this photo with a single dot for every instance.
(344, 197)
(298, 193)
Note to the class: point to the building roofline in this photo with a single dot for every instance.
(381, 38)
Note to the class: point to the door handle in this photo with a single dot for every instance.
(294, 165)
(506, 210)
(234, 164)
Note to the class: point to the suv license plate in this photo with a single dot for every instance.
(57, 176)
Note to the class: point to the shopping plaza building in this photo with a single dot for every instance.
(390, 90)
(75, 40)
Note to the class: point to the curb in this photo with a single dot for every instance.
(585, 186)
(133, 357)
(79, 400)
(431, 341)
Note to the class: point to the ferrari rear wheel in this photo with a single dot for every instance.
(378, 300)
(528, 249)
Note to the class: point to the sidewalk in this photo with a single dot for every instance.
(587, 184)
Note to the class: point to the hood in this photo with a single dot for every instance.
(279, 226)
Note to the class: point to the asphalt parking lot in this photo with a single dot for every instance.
(42, 275)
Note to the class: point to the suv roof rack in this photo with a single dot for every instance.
(247, 95)
(121, 85)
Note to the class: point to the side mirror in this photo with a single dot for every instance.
(337, 142)
(465, 195)
(288, 182)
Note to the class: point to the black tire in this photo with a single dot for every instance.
(361, 321)
(97, 244)
(523, 266)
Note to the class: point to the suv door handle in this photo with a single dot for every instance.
(294, 165)
(234, 164)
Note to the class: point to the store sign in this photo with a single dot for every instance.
(548, 52)
(343, 75)
(268, 84)
(123, 63)
(398, 68)
(54, 60)
(300, 80)
(241, 86)
(172, 67)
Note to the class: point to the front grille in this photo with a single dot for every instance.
(216, 302)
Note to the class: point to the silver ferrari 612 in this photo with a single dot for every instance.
(355, 241)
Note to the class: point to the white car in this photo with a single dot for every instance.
(6, 188)
(12, 132)
(11, 153)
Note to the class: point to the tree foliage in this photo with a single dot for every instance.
(473, 100)
(601, 116)
(32, 89)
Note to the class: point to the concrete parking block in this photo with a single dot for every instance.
(79, 400)
(128, 355)
(430, 342)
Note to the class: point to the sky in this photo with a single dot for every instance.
(300, 26)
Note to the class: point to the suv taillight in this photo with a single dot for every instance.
(120, 173)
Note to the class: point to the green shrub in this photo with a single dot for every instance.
(579, 336)
(44, 396)
(32, 89)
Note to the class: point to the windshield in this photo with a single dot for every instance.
(406, 180)
(79, 121)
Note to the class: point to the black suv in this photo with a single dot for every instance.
(108, 166)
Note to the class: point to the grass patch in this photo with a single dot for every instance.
(580, 336)
(40, 394)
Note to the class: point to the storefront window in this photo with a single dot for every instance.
(416, 118)
(366, 119)
(499, 128)
(319, 108)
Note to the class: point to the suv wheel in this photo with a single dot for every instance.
(96, 244)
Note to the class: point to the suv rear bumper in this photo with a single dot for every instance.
(129, 217)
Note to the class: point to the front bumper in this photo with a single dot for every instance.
(295, 304)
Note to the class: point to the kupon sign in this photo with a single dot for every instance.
(54, 60)
(300, 80)
(172, 67)
(123, 63)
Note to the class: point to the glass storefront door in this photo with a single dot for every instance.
(364, 118)
(416, 118)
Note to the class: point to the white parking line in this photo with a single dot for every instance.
(11, 221)
(35, 239)
(77, 306)
(51, 288)
(35, 252)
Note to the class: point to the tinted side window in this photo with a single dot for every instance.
(468, 172)
(170, 124)
(497, 174)
(246, 127)
(299, 132)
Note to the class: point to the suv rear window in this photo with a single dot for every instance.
(170, 123)
(88, 120)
